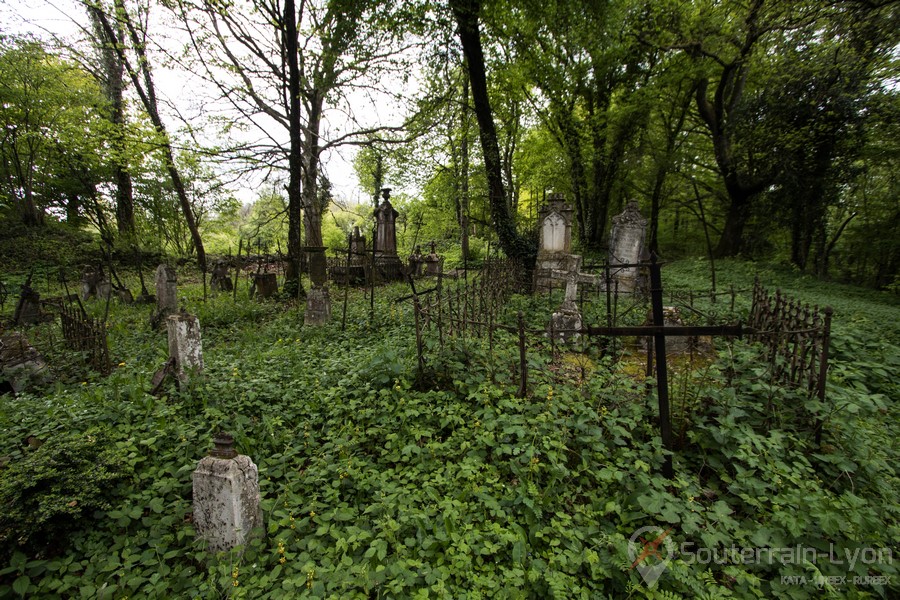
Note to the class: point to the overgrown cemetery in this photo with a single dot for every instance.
(464, 299)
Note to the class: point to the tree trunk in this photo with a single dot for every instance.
(147, 93)
(113, 72)
(295, 156)
(517, 248)
(464, 175)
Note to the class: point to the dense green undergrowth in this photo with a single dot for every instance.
(378, 483)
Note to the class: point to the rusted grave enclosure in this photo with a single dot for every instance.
(87, 335)
(795, 337)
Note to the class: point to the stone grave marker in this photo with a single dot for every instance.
(318, 307)
(166, 294)
(20, 364)
(626, 246)
(185, 345)
(226, 496)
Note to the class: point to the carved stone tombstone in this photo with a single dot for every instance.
(94, 284)
(226, 496)
(20, 364)
(566, 321)
(221, 278)
(386, 228)
(166, 292)
(416, 260)
(555, 224)
(433, 262)
(185, 345)
(28, 308)
(318, 307)
(357, 247)
(626, 246)
(265, 285)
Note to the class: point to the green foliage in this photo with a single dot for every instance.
(379, 483)
(48, 491)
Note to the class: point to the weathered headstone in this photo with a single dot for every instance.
(220, 280)
(94, 284)
(265, 285)
(566, 321)
(386, 228)
(226, 497)
(318, 307)
(416, 261)
(166, 294)
(555, 224)
(185, 345)
(357, 247)
(626, 246)
(433, 262)
(28, 308)
(317, 265)
(20, 363)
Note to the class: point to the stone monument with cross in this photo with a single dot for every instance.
(556, 264)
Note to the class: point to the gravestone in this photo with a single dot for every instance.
(94, 284)
(318, 307)
(226, 497)
(433, 262)
(555, 223)
(416, 262)
(358, 252)
(220, 280)
(566, 321)
(265, 285)
(20, 364)
(185, 345)
(28, 308)
(317, 265)
(166, 294)
(388, 265)
(626, 246)
(386, 227)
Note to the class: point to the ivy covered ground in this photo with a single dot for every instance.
(378, 485)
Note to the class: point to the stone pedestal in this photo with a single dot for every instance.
(318, 307)
(226, 497)
(185, 345)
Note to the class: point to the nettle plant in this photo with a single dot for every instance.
(380, 482)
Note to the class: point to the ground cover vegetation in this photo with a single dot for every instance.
(759, 139)
(377, 484)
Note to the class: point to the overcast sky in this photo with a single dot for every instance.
(61, 18)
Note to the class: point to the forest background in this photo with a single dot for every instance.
(762, 129)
